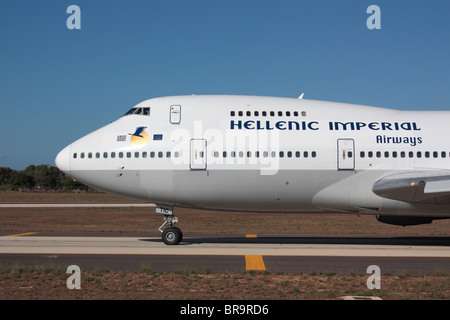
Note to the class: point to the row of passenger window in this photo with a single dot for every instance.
(176, 154)
(267, 113)
(266, 154)
(121, 155)
(258, 154)
(404, 154)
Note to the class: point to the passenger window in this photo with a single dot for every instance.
(120, 154)
(90, 155)
(297, 154)
(136, 154)
(82, 155)
(160, 154)
(105, 155)
(232, 113)
(305, 154)
(313, 154)
(113, 154)
(411, 154)
(152, 154)
(362, 154)
(75, 155)
(168, 154)
(128, 154)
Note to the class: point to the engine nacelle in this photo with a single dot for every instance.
(404, 220)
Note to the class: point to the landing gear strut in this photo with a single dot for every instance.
(171, 235)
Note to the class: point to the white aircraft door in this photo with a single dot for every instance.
(198, 154)
(346, 154)
(175, 114)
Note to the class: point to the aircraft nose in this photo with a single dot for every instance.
(62, 160)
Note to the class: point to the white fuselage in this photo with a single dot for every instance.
(246, 153)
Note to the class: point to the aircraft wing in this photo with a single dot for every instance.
(427, 186)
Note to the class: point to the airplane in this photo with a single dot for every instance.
(270, 154)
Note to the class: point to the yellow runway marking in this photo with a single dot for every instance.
(20, 234)
(254, 263)
(251, 236)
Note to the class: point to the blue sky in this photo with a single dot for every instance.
(57, 85)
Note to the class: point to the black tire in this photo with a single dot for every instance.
(172, 236)
(180, 233)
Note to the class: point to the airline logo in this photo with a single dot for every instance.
(139, 137)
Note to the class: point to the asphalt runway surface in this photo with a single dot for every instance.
(228, 253)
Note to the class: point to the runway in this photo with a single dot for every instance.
(231, 253)
(77, 205)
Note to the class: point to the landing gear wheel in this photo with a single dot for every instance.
(172, 236)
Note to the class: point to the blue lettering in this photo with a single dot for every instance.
(280, 125)
(310, 125)
(344, 125)
(373, 126)
(406, 126)
(291, 123)
(233, 124)
(247, 125)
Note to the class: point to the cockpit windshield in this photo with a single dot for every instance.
(138, 111)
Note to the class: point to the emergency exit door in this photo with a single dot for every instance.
(198, 154)
(346, 154)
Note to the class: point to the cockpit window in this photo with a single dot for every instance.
(138, 111)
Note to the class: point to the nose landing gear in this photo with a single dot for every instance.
(171, 235)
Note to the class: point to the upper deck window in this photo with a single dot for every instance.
(139, 111)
